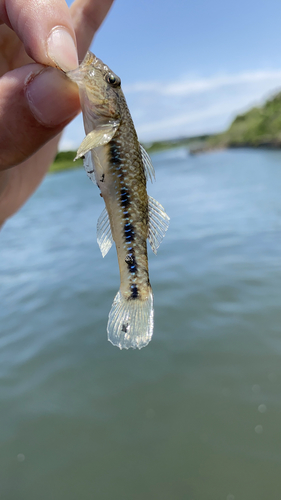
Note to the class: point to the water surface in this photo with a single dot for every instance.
(196, 415)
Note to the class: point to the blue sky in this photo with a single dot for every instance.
(188, 68)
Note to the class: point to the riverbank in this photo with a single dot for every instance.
(65, 161)
(260, 127)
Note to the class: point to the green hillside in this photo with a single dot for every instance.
(258, 127)
(64, 161)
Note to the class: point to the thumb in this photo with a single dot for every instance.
(36, 102)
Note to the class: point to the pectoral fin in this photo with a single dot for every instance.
(98, 137)
(158, 223)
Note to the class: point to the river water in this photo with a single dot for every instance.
(196, 415)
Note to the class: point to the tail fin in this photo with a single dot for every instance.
(130, 322)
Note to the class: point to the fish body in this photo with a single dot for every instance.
(114, 159)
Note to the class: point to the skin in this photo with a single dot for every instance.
(29, 139)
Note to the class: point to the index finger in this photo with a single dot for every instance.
(45, 28)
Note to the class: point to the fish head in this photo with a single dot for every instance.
(99, 89)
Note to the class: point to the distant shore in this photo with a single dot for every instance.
(64, 159)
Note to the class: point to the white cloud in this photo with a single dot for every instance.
(181, 119)
(190, 105)
(193, 85)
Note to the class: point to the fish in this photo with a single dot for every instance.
(120, 166)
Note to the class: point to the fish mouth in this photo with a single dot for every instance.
(77, 75)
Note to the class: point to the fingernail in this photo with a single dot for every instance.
(61, 49)
(52, 98)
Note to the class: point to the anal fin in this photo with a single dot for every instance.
(104, 234)
(158, 223)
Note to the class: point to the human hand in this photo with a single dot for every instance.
(36, 102)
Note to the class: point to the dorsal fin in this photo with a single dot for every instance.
(148, 167)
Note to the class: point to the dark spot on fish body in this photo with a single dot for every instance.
(125, 327)
(114, 153)
(129, 232)
(102, 178)
(131, 263)
(124, 197)
(134, 292)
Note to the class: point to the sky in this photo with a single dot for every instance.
(188, 68)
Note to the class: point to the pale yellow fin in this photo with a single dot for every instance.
(98, 137)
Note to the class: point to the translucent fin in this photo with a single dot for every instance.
(104, 235)
(158, 223)
(130, 322)
(89, 166)
(148, 167)
(98, 137)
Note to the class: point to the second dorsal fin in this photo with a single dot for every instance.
(158, 223)
(148, 167)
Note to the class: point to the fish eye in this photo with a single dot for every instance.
(110, 78)
(113, 80)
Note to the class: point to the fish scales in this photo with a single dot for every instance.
(114, 159)
(125, 196)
